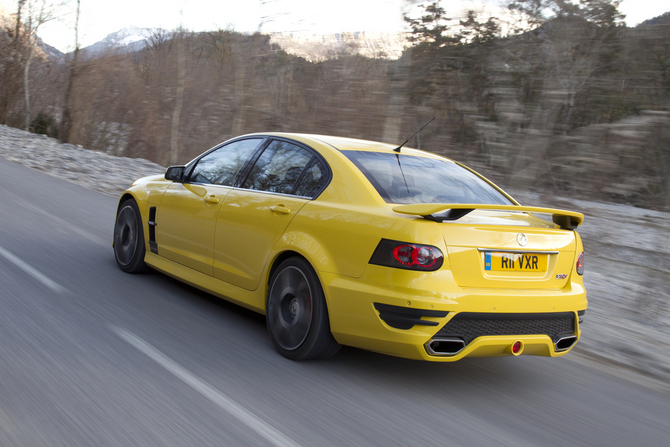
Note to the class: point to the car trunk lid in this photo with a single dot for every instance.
(492, 248)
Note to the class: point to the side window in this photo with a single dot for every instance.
(220, 167)
(312, 180)
(278, 168)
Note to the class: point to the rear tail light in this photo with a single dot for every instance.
(580, 263)
(405, 255)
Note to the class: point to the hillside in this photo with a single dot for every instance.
(577, 106)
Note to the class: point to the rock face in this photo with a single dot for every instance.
(627, 252)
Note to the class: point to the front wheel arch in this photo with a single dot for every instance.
(129, 244)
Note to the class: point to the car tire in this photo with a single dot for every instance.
(296, 313)
(129, 249)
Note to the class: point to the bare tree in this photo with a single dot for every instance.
(568, 51)
(64, 133)
(38, 15)
(17, 32)
(12, 58)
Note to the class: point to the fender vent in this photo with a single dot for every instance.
(152, 230)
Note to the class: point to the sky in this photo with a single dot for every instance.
(102, 17)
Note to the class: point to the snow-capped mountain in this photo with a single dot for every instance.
(311, 47)
(125, 40)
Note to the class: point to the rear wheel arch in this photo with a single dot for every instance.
(278, 260)
(291, 252)
(299, 243)
(296, 310)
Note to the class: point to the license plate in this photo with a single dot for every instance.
(515, 262)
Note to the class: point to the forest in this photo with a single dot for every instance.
(558, 97)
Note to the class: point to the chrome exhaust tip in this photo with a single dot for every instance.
(565, 342)
(445, 346)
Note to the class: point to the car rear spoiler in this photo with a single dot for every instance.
(439, 212)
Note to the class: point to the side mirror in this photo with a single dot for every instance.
(175, 173)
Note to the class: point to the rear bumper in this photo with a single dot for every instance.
(373, 314)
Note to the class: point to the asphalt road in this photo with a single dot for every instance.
(91, 356)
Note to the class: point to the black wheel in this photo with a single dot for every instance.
(296, 313)
(129, 247)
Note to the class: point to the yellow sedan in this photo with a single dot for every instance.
(340, 241)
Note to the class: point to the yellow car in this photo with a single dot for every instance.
(349, 242)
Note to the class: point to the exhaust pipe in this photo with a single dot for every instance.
(445, 346)
(565, 342)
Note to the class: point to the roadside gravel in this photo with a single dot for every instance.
(93, 170)
(627, 324)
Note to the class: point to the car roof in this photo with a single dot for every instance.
(351, 144)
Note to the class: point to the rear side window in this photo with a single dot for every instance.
(279, 168)
(408, 179)
(220, 166)
(312, 180)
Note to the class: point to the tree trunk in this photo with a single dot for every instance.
(176, 113)
(238, 93)
(64, 133)
(26, 82)
(17, 32)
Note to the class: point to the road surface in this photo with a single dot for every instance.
(91, 356)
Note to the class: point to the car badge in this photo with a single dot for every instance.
(522, 239)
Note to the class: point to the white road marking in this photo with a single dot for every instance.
(273, 436)
(32, 272)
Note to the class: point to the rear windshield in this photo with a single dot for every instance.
(409, 179)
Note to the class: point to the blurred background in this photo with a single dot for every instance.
(565, 103)
(547, 95)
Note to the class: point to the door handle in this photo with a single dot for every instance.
(212, 199)
(280, 209)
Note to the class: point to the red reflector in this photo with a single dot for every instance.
(580, 264)
(516, 347)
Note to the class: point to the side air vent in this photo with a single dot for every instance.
(152, 230)
(405, 318)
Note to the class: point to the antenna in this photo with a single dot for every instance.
(400, 147)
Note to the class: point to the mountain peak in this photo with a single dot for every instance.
(126, 40)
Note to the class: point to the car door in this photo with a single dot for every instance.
(186, 216)
(253, 217)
